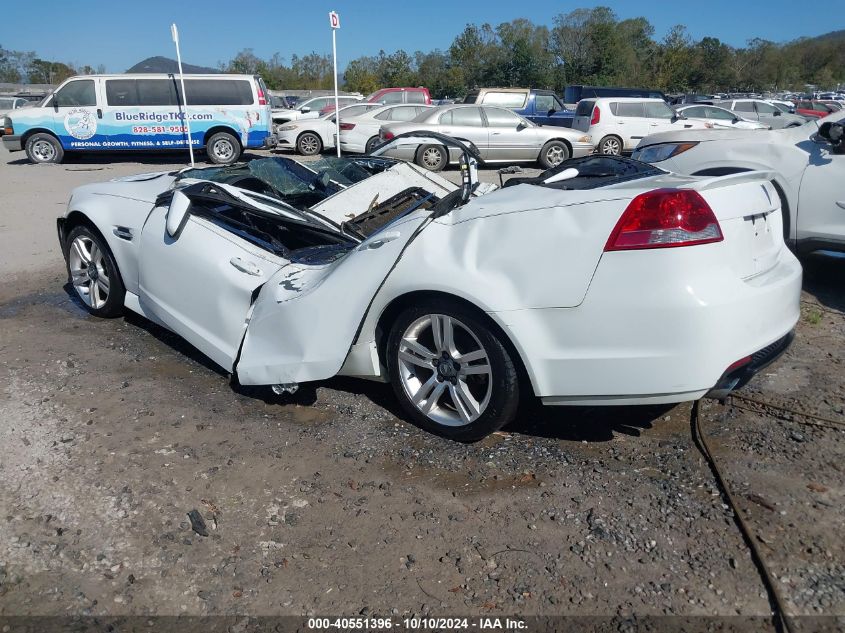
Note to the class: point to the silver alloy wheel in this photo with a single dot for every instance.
(309, 144)
(223, 149)
(444, 370)
(611, 146)
(88, 271)
(43, 151)
(555, 155)
(432, 158)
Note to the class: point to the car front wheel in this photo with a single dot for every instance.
(451, 372)
(44, 148)
(93, 273)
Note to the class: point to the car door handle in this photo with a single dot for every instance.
(245, 267)
(380, 241)
(99, 113)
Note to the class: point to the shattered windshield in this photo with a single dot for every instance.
(296, 184)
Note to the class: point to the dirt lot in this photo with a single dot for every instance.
(327, 503)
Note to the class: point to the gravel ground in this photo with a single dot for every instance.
(328, 503)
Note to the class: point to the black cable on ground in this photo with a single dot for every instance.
(818, 420)
(780, 620)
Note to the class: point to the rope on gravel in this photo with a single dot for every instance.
(780, 619)
(815, 420)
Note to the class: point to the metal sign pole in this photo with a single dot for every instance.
(174, 32)
(334, 21)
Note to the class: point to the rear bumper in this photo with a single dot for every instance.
(655, 327)
(270, 141)
(739, 377)
(12, 142)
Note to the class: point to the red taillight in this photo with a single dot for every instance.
(387, 135)
(596, 116)
(347, 126)
(262, 100)
(663, 218)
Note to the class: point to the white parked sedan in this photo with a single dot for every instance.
(604, 281)
(807, 165)
(312, 136)
(360, 134)
(717, 117)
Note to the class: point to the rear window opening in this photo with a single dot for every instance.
(593, 172)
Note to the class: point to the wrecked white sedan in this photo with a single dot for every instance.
(602, 281)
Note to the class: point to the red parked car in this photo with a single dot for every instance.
(391, 96)
(814, 109)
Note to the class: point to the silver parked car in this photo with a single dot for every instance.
(500, 135)
(764, 112)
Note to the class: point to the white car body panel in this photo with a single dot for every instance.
(658, 325)
(807, 173)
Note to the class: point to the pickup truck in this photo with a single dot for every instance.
(539, 106)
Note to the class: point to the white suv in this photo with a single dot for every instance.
(619, 124)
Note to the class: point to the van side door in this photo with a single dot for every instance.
(76, 115)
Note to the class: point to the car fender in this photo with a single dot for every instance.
(118, 210)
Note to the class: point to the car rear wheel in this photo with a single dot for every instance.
(371, 144)
(93, 273)
(309, 144)
(432, 157)
(44, 148)
(610, 145)
(223, 149)
(451, 372)
(553, 154)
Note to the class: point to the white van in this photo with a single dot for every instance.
(226, 114)
(620, 123)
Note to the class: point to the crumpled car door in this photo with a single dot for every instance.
(307, 315)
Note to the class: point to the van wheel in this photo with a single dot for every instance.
(223, 149)
(610, 145)
(309, 144)
(44, 148)
(432, 157)
(553, 154)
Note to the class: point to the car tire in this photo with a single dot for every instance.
(553, 154)
(43, 149)
(611, 145)
(371, 144)
(223, 148)
(93, 273)
(425, 378)
(432, 157)
(309, 144)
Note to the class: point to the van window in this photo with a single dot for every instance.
(585, 108)
(77, 93)
(140, 92)
(625, 109)
(505, 99)
(153, 92)
(743, 106)
(217, 91)
(415, 96)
